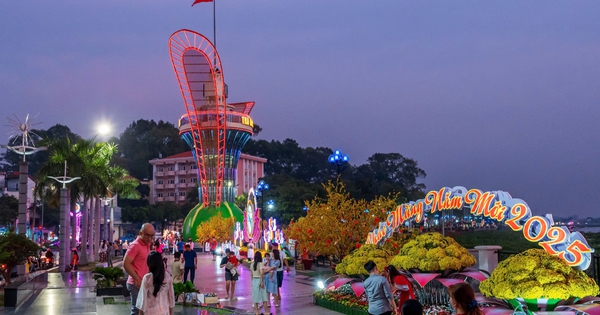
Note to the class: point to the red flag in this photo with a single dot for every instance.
(198, 1)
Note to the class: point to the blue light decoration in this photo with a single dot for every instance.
(338, 159)
(305, 208)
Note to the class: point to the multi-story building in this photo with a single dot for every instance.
(174, 176)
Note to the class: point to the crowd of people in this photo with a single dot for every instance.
(380, 288)
(151, 284)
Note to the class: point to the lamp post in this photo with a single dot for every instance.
(338, 159)
(24, 129)
(64, 218)
(262, 187)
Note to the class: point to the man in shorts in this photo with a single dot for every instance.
(230, 279)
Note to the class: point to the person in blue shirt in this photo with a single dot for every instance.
(180, 246)
(379, 292)
(190, 263)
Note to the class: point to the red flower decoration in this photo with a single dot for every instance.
(376, 220)
(310, 231)
(395, 244)
(328, 241)
(358, 245)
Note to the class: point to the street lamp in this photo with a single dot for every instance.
(270, 204)
(305, 208)
(338, 159)
(261, 187)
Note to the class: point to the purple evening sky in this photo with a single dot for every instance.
(495, 95)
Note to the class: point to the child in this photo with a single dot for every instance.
(74, 260)
(156, 296)
(177, 268)
(232, 264)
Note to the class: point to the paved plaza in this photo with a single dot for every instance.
(72, 293)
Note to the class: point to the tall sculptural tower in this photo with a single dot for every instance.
(216, 131)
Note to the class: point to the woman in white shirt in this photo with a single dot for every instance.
(156, 296)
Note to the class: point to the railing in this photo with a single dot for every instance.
(181, 185)
(159, 199)
(181, 172)
(170, 173)
(170, 186)
(158, 174)
(159, 186)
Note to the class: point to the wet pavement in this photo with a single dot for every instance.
(73, 293)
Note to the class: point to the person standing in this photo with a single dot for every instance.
(280, 256)
(135, 262)
(259, 292)
(230, 278)
(180, 245)
(74, 260)
(109, 255)
(102, 251)
(399, 282)
(213, 248)
(379, 292)
(125, 245)
(191, 243)
(190, 263)
(156, 292)
(119, 248)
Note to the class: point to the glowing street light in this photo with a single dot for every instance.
(262, 187)
(338, 159)
(270, 204)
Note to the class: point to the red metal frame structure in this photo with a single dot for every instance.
(199, 72)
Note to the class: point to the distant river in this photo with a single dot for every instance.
(595, 229)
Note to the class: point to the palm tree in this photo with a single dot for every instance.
(91, 161)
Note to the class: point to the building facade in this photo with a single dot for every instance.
(174, 176)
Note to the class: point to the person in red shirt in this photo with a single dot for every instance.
(400, 283)
(213, 248)
(135, 262)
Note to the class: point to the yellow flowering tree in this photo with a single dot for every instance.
(535, 274)
(338, 224)
(218, 227)
(433, 252)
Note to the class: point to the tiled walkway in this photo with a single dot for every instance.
(73, 294)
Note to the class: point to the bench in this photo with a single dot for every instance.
(24, 287)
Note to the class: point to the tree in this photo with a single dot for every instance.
(144, 140)
(14, 249)
(9, 209)
(289, 195)
(389, 173)
(136, 215)
(336, 224)
(218, 227)
(241, 200)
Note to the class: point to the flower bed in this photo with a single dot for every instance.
(342, 300)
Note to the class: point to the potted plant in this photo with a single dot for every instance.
(185, 289)
(107, 279)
